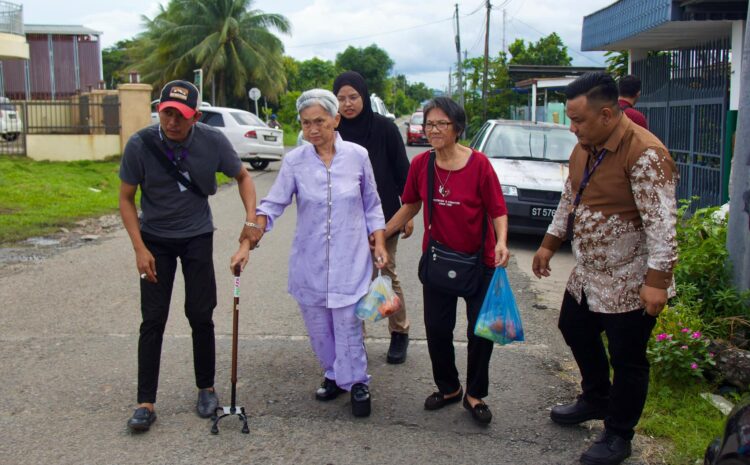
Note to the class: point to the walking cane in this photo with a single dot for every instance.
(222, 412)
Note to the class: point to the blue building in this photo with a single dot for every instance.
(688, 54)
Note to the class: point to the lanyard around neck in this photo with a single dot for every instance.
(587, 176)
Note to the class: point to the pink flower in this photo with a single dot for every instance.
(684, 347)
(694, 366)
(696, 335)
(685, 330)
(662, 336)
(711, 354)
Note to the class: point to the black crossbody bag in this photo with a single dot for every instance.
(171, 168)
(441, 267)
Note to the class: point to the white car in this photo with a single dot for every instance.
(531, 162)
(253, 141)
(10, 122)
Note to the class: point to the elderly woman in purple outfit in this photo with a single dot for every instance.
(330, 267)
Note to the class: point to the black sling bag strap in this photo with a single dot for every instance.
(450, 271)
(171, 168)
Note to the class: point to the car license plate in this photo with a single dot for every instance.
(270, 138)
(542, 212)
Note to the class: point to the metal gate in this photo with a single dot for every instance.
(684, 97)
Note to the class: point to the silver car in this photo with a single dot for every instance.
(531, 162)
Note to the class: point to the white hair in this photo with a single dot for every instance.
(322, 97)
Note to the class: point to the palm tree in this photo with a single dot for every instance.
(225, 38)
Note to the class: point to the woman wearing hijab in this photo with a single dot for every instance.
(385, 146)
(330, 265)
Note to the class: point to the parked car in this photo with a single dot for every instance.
(531, 162)
(414, 129)
(253, 141)
(733, 448)
(378, 106)
(11, 125)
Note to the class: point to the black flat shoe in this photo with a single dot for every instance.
(436, 400)
(141, 420)
(397, 349)
(328, 390)
(576, 412)
(608, 449)
(480, 412)
(360, 400)
(207, 403)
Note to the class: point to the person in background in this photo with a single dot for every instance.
(466, 198)
(619, 204)
(629, 88)
(274, 122)
(330, 265)
(176, 222)
(385, 147)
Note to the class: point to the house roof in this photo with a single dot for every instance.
(61, 29)
(660, 24)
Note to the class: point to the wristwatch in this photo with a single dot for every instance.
(250, 224)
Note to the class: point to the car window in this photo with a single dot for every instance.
(212, 119)
(247, 119)
(417, 118)
(480, 135)
(543, 143)
(7, 107)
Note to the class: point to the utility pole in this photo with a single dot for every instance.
(504, 11)
(450, 81)
(460, 83)
(486, 62)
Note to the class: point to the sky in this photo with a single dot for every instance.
(417, 34)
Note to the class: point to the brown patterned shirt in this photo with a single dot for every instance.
(624, 228)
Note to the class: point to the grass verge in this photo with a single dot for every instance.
(681, 415)
(39, 197)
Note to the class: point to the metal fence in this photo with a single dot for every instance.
(11, 18)
(684, 97)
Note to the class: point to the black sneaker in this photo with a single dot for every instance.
(608, 449)
(207, 403)
(397, 349)
(141, 420)
(328, 390)
(576, 412)
(360, 400)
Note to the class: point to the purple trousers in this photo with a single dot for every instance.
(336, 338)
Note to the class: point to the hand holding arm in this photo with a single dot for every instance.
(401, 218)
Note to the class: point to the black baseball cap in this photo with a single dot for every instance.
(181, 95)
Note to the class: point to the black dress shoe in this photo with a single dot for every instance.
(142, 419)
(608, 449)
(207, 403)
(480, 412)
(360, 400)
(577, 412)
(437, 400)
(397, 349)
(328, 390)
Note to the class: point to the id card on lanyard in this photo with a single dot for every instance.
(587, 173)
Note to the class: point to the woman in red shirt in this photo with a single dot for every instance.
(466, 194)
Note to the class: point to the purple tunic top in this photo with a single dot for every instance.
(337, 208)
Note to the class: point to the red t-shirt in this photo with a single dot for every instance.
(473, 194)
(635, 116)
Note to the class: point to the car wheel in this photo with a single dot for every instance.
(11, 136)
(259, 164)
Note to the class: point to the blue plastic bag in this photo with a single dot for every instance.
(379, 302)
(498, 318)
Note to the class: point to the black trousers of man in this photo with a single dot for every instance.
(627, 335)
(196, 257)
(440, 321)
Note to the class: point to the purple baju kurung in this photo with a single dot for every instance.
(330, 266)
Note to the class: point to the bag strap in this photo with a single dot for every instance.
(430, 185)
(171, 168)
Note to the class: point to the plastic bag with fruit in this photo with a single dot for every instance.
(379, 302)
(499, 319)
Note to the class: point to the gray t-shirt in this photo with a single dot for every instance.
(168, 209)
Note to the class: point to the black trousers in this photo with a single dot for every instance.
(196, 256)
(440, 321)
(627, 336)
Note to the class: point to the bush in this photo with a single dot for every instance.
(680, 355)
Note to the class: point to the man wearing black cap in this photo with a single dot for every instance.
(174, 163)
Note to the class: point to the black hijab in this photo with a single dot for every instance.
(359, 128)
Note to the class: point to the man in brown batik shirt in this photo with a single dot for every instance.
(623, 233)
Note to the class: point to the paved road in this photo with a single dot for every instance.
(69, 324)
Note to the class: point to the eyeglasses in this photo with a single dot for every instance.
(439, 125)
(351, 98)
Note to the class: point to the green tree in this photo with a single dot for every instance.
(548, 50)
(115, 61)
(228, 40)
(617, 63)
(373, 63)
(316, 73)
